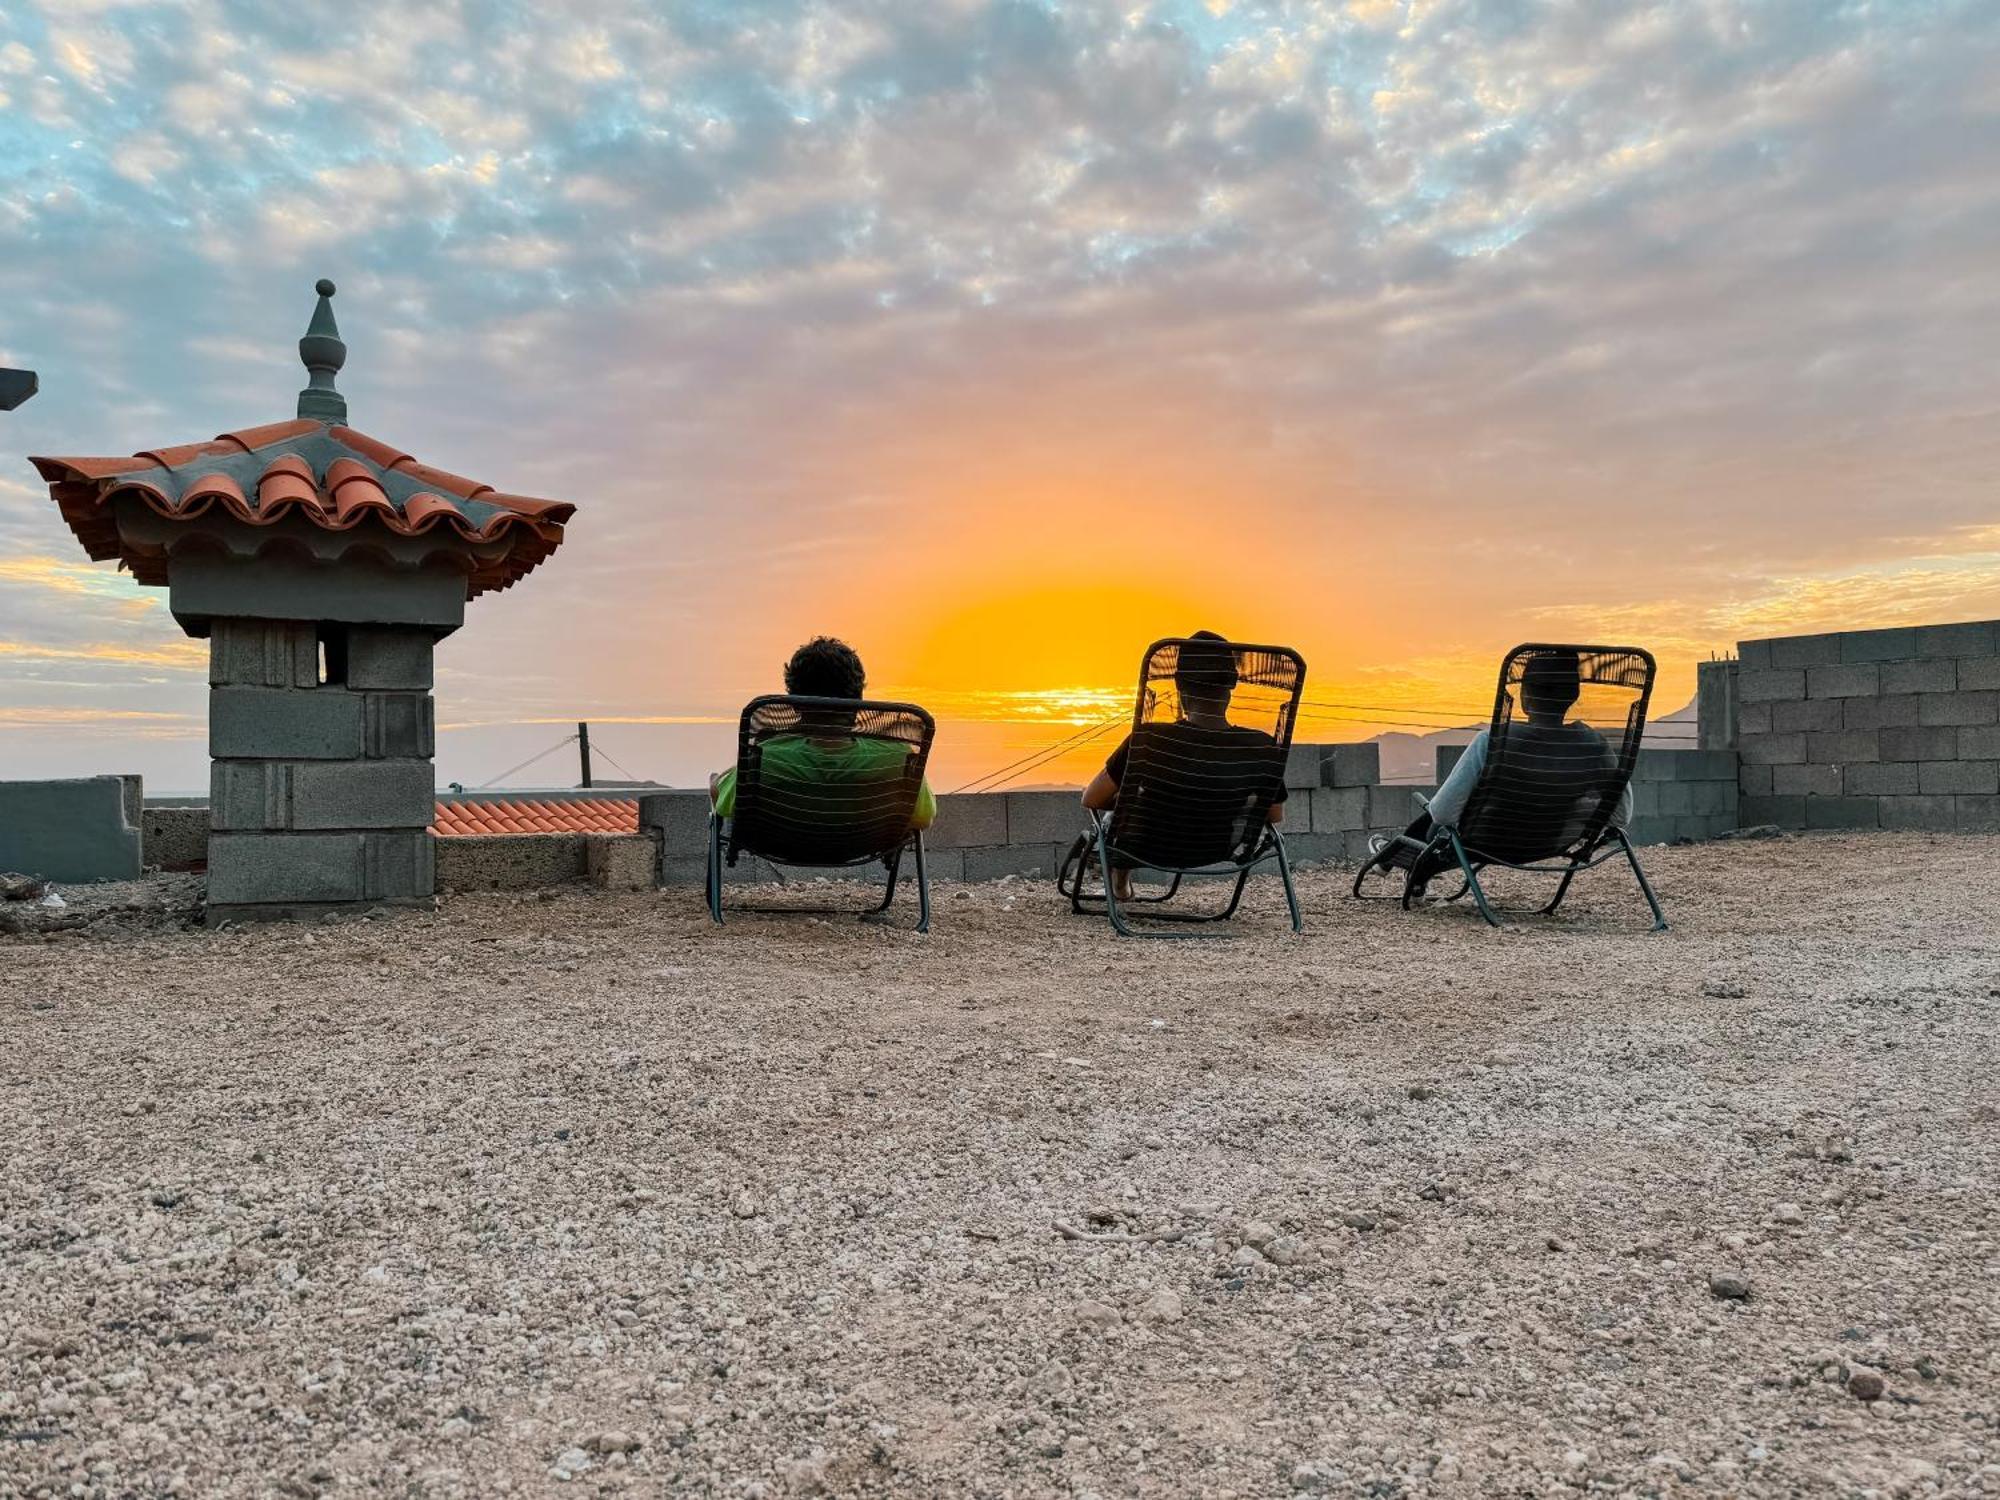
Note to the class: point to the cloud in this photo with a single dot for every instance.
(1672, 320)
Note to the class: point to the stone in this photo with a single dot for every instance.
(455, 1427)
(1097, 1316)
(1729, 1286)
(1866, 1385)
(1052, 1382)
(1420, 1092)
(1285, 1250)
(1356, 1219)
(1259, 1233)
(744, 1206)
(1163, 1306)
(569, 1463)
(613, 1441)
(1789, 1213)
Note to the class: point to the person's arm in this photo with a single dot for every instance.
(1101, 793)
(1448, 806)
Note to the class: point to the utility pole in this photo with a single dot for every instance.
(583, 749)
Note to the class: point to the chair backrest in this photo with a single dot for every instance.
(844, 789)
(1210, 735)
(1552, 780)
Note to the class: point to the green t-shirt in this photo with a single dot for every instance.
(794, 757)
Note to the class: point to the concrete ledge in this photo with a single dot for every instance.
(75, 831)
(969, 819)
(174, 838)
(511, 862)
(621, 862)
(1043, 817)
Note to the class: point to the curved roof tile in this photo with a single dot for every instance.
(516, 815)
(332, 475)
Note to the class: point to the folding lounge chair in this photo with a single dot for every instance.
(1544, 800)
(862, 818)
(1195, 798)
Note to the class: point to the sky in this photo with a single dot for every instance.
(1002, 337)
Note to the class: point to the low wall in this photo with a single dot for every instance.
(529, 861)
(75, 831)
(1676, 794)
(1872, 728)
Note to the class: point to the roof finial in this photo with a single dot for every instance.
(323, 354)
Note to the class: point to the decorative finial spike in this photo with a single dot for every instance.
(322, 353)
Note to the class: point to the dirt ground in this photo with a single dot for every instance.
(575, 1194)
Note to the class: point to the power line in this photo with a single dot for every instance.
(539, 755)
(1044, 753)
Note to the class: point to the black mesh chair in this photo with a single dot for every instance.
(862, 817)
(1210, 736)
(1545, 798)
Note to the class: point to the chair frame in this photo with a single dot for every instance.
(1099, 839)
(724, 847)
(1600, 840)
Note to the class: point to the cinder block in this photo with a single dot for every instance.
(679, 820)
(622, 861)
(251, 723)
(1817, 714)
(1978, 673)
(1935, 813)
(1335, 809)
(1302, 766)
(1445, 759)
(1896, 644)
(1786, 812)
(1645, 798)
(1315, 848)
(1805, 781)
(1773, 749)
(175, 838)
(1770, 686)
(1921, 742)
(943, 864)
(362, 794)
(1351, 765)
(1885, 779)
(263, 653)
(1929, 676)
(1755, 718)
(1977, 638)
(1653, 830)
(1844, 747)
(1674, 799)
(250, 795)
(398, 725)
(1977, 814)
(1879, 713)
(398, 866)
(1938, 777)
(1394, 806)
(1843, 812)
(1972, 742)
(383, 656)
(1805, 651)
(1707, 765)
(970, 819)
(1755, 781)
(1027, 860)
(1958, 708)
(1714, 799)
(272, 869)
(1044, 817)
(1844, 681)
(1754, 656)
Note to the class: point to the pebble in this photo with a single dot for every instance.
(744, 1207)
(1164, 1306)
(1097, 1315)
(1356, 1219)
(1866, 1385)
(1789, 1213)
(1729, 1286)
(1259, 1233)
(1053, 1382)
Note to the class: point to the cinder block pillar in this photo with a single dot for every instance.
(320, 787)
(1715, 712)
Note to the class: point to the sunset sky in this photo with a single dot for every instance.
(1002, 338)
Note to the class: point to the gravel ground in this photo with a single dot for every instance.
(574, 1194)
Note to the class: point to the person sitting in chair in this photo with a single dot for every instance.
(1550, 685)
(824, 668)
(1204, 680)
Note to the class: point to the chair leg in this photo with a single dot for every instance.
(923, 887)
(1110, 886)
(1645, 885)
(1069, 877)
(894, 863)
(1472, 880)
(1285, 874)
(715, 869)
(1562, 889)
(1436, 842)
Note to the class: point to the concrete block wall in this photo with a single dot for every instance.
(1895, 728)
(86, 829)
(320, 787)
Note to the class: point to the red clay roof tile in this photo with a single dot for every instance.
(517, 815)
(329, 474)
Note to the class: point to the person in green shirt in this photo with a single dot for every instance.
(824, 668)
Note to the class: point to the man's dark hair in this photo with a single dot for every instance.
(825, 668)
(1205, 672)
(1551, 682)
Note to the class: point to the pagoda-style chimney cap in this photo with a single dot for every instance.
(322, 353)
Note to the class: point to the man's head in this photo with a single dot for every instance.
(1205, 673)
(1550, 685)
(825, 668)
